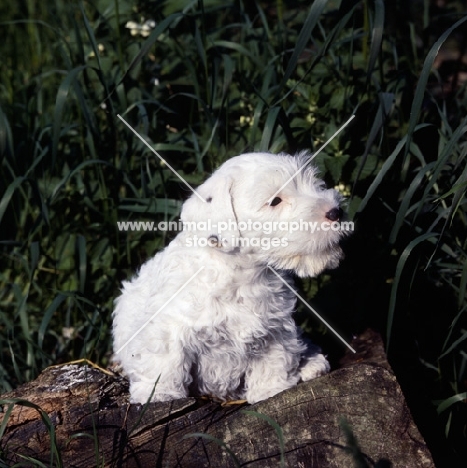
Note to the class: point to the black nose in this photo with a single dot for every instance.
(334, 215)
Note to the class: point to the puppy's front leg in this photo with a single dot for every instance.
(165, 376)
(271, 373)
(313, 363)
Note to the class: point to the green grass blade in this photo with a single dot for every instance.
(4, 202)
(276, 427)
(5, 417)
(82, 261)
(303, 39)
(386, 102)
(18, 374)
(269, 128)
(234, 46)
(459, 189)
(76, 170)
(6, 137)
(34, 251)
(423, 80)
(404, 206)
(85, 107)
(376, 36)
(31, 462)
(48, 314)
(454, 323)
(463, 286)
(60, 101)
(55, 455)
(444, 405)
(330, 40)
(442, 161)
(454, 344)
(379, 177)
(359, 459)
(144, 408)
(397, 277)
(219, 442)
(91, 36)
(384, 170)
(456, 188)
(259, 109)
(24, 320)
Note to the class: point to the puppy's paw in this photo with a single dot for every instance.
(313, 367)
(143, 392)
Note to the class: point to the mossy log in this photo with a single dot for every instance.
(79, 416)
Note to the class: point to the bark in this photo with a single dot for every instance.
(354, 416)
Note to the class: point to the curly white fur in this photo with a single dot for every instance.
(228, 331)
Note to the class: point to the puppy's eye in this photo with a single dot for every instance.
(275, 201)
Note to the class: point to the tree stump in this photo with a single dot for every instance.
(79, 416)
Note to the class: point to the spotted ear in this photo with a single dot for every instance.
(214, 218)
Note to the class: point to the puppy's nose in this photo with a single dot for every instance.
(334, 215)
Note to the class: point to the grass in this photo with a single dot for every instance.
(55, 454)
(209, 81)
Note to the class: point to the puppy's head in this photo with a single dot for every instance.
(273, 208)
(210, 214)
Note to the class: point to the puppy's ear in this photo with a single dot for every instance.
(214, 218)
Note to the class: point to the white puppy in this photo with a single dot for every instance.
(209, 315)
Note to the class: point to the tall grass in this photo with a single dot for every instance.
(206, 81)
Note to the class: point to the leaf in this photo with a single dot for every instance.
(335, 164)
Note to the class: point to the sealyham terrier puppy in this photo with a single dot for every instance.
(212, 313)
